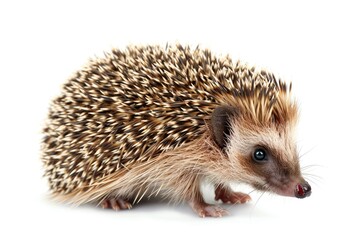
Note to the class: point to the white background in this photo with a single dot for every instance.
(314, 44)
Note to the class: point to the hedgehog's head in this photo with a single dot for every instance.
(256, 133)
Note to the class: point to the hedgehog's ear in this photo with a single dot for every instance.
(220, 124)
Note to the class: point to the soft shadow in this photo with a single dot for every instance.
(162, 208)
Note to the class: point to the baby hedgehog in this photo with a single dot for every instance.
(153, 121)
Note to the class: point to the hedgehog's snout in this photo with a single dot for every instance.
(302, 190)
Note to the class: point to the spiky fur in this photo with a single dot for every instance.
(136, 122)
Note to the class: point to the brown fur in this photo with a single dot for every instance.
(176, 175)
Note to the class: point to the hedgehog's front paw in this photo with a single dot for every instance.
(226, 195)
(115, 204)
(207, 210)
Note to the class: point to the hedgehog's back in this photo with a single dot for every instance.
(126, 107)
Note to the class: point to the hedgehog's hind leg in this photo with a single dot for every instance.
(115, 203)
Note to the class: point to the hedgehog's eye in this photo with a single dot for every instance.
(259, 155)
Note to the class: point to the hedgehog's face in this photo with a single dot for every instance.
(270, 157)
(264, 157)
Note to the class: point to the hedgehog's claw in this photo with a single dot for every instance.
(207, 210)
(116, 204)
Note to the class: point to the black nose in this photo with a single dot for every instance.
(303, 190)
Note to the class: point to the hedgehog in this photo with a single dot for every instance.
(158, 121)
